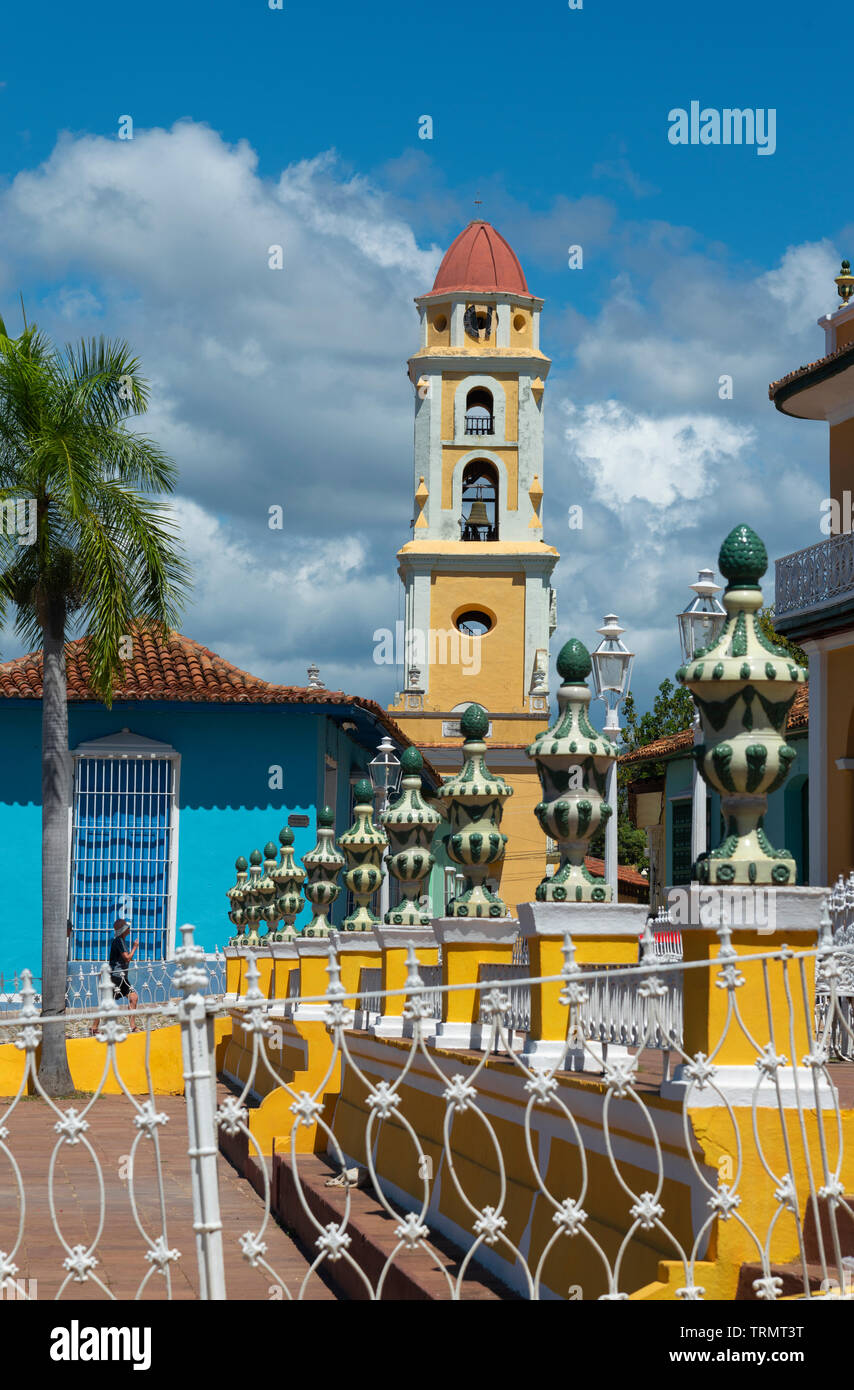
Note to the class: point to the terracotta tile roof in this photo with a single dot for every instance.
(480, 259)
(625, 874)
(674, 743)
(659, 748)
(181, 670)
(846, 351)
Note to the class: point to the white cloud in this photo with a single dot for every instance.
(801, 283)
(287, 387)
(630, 456)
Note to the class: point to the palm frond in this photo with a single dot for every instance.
(107, 547)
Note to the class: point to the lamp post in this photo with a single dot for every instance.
(700, 625)
(384, 770)
(612, 672)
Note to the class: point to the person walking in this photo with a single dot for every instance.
(120, 959)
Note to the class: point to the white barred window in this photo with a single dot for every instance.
(123, 842)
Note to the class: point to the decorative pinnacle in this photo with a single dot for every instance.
(474, 722)
(743, 558)
(241, 864)
(363, 792)
(573, 663)
(411, 762)
(269, 850)
(286, 836)
(844, 282)
(325, 818)
(256, 857)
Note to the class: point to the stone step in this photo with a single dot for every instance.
(792, 1274)
(413, 1275)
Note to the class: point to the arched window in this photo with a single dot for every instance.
(479, 521)
(480, 417)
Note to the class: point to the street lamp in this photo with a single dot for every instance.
(700, 626)
(384, 770)
(612, 672)
(702, 621)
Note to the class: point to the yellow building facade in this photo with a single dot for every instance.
(479, 606)
(814, 594)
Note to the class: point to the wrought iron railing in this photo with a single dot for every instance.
(838, 1015)
(814, 576)
(153, 981)
(611, 1179)
(480, 424)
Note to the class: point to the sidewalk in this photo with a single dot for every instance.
(120, 1249)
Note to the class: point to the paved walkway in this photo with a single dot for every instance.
(120, 1250)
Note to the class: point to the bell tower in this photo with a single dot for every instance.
(479, 606)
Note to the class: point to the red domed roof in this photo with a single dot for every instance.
(480, 259)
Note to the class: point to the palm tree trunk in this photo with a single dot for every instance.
(54, 1074)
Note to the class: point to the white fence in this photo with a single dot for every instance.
(152, 981)
(663, 1199)
(814, 576)
(838, 1013)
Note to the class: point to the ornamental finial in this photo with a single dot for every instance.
(844, 282)
(572, 760)
(410, 824)
(475, 801)
(744, 685)
(364, 845)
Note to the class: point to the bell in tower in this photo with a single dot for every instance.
(477, 573)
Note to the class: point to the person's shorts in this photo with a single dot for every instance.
(121, 988)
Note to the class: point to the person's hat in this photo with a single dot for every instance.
(120, 927)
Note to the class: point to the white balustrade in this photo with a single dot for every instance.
(814, 576)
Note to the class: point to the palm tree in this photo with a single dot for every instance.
(102, 557)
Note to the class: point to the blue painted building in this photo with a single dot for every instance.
(195, 763)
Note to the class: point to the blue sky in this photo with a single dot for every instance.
(299, 126)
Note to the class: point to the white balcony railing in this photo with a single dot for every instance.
(818, 575)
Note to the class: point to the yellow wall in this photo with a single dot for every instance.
(510, 382)
(840, 744)
(509, 457)
(648, 1270)
(86, 1058)
(436, 336)
(521, 337)
(524, 864)
(499, 684)
(841, 458)
(844, 333)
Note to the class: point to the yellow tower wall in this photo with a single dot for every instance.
(509, 457)
(840, 744)
(510, 382)
(503, 598)
(525, 864)
(842, 455)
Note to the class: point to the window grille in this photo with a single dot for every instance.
(121, 842)
(681, 841)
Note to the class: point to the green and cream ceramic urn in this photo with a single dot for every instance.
(363, 845)
(252, 901)
(475, 800)
(288, 878)
(744, 686)
(323, 865)
(572, 761)
(236, 911)
(266, 890)
(410, 824)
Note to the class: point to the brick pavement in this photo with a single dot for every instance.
(120, 1249)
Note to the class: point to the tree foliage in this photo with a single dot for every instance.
(101, 554)
(765, 619)
(672, 711)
